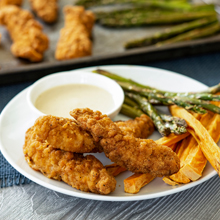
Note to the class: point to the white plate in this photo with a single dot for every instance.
(17, 117)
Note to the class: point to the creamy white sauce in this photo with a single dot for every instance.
(60, 100)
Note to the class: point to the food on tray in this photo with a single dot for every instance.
(10, 2)
(47, 10)
(160, 38)
(136, 155)
(85, 173)
(75, 37)
(29, 42)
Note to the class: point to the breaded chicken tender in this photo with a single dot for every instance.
(140, 127)
(83, 173)
(74, 39)
(64, 134)
(29, 42)
(134, 154)
(47, 10)
(10, 2)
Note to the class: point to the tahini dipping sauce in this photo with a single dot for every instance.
(60, 100)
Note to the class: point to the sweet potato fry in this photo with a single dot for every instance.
(172, 139)
(207, 144)
(168, 181)
(134, 183)
(114, 169)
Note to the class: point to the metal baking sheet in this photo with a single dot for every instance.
(107, 49)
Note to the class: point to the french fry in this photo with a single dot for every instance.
(168, 181)
(114, 169)
(206, 143)
(134, 183)
(188, 151)
(172, 139)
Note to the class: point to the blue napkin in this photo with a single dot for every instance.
(8, 175)
(204, 68)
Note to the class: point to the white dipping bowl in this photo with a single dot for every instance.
(77, 77)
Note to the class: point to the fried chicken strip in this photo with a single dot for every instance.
(47, 10)
(83, 173)
(10, 2)
(74, 39)
(64, 134)
(140, 127)
(29, 42)
(136, 155)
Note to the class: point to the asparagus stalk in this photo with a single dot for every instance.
(152, 113)
(182, 103)
(193, 34)
(91, 3)
(213, 90)
(141, 19)
(170, 32)
(131, 111)
(176, 125)
(203, 96)
(131, 85)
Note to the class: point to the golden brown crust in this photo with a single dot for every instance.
(74, 39)
(83, 173)
(47, 10)
(137, 155)
(140, 127)
(10, 2)
(29, 42)
(64, 134)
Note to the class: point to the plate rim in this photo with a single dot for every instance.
(93, 196)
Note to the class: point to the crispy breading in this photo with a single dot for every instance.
(83, 173)
(47, 10)
(10, 2)
(29, 42)
(140, 127)
(136, 155)
(64, 134)
(74, 38)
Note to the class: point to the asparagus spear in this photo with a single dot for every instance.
(90, 3)
(152, 113)
(131, 111)
(177, 125)
(174, 124)
(170, 32)
(213, 90)
(141, 19)
(193, 34)
(137, 87)
(203, 96)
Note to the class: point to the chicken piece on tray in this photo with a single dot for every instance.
(47, 10)
(83, 173)
(10, 2)
(29, 42)
(64, 134)
(136, 155)
(74, 38)
(140, 127)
